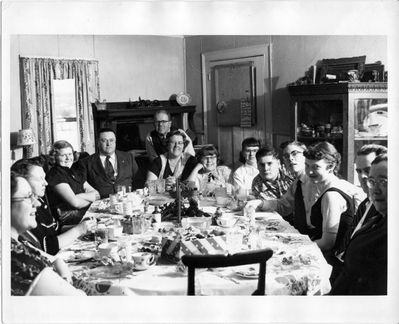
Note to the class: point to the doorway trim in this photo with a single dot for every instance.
(264, 51)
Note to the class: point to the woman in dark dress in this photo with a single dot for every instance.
(68, 191)
(31, 272)
(173, 164)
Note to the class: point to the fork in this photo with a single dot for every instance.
(225, 277)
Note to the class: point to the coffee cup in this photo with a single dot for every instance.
(108, 250)
(222, 201)
(118, 207)
(226, 221)
(143, 260)
(114, 232)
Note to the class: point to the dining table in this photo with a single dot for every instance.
(297, 266)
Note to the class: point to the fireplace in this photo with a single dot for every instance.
(131, 123)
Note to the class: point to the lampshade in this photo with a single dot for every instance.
(26, 137)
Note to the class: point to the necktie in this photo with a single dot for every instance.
(109, 169)
(299, 210)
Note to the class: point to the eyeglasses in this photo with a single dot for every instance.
(294, 154)
(210, 157)
(67, 155)
(176, 143)
(161, 122)
(32, 198)
(371, 183)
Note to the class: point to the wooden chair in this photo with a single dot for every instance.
(229, 260)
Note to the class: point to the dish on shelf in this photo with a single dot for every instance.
(183, 98)
(377, 123)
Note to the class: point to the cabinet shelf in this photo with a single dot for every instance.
(371, 138)
(319, 138)
(346, 105)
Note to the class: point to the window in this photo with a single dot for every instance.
(65, 121)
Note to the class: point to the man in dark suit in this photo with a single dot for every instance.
(109, 168)
(365, 259)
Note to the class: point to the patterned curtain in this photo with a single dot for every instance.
(37, 75)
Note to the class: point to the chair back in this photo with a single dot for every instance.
(228, 260)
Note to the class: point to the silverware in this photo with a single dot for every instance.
(227, 278)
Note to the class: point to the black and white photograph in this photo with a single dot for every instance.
(199, 161)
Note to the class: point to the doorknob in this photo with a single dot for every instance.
(221, 106)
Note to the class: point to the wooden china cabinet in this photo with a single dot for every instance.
(348, 115)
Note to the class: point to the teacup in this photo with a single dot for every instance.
(118, 208)
(143, 260)
(222, 201)
(226, 221)
(114, 231)
(108, 250)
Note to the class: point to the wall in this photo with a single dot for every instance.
(151, 67)
(291, 57)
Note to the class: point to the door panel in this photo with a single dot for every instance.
(229, 138)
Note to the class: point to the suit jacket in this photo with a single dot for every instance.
(365, 261)
(128, 173)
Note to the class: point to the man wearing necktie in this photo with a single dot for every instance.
(109, 168)
(294, 161)
(365, 156)
(365, 259)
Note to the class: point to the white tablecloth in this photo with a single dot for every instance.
(296, 268)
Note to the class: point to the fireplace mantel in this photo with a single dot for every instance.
(124, 113)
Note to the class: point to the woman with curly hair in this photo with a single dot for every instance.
(68, 191)
(32, 272)
(175, 163)
(333, 205)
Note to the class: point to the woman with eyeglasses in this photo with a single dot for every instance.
(365, 258)
(173, 164)
(48, 234)
(208, 174)
(31, 272)
(68, 191)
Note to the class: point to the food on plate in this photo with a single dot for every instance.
(169, 211)
(287, 260)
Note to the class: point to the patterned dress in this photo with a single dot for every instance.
(26, 264)
(271, 189)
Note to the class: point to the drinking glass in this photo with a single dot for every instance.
(113, 199)
(160, 185)
(121, 190)
(101, 234)
(152, 187)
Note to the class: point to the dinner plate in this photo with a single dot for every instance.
(158, 201)
(111, 272)
(149, 267)
(79, 256)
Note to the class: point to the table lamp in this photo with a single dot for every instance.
(26, 138)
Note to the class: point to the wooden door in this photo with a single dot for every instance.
(222, 86)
